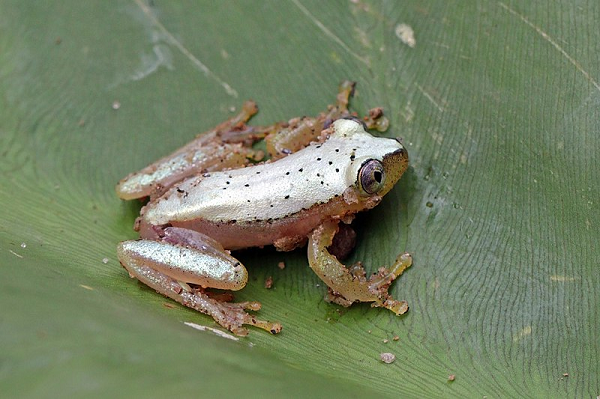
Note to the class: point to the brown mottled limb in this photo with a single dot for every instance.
(232, 316)
(351, 285)
(226, 146)
(345, 91)
(297, 133)
(181, 264)
(249, 109)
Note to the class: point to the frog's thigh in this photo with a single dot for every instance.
(210, 268)
(350, 286)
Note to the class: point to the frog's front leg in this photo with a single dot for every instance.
(351, 285)
(183, 257)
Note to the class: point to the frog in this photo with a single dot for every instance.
(217, 194)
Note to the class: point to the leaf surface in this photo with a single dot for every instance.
(497, 102)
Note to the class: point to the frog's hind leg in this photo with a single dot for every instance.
(229, 315)
(227, 146)
(351, 285)
(297, 133)
(170, 269)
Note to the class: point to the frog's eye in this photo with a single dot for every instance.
(371, 176)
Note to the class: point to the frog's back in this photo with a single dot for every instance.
(264, 202)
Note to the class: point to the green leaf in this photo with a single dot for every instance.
(498, 104)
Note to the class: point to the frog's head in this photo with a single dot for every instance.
(377, 162)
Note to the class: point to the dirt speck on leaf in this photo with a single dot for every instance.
(269, 282)
(387, 357)
(406, 34)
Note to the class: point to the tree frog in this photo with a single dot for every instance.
(212, 196)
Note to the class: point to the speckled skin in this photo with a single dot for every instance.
(282, 200)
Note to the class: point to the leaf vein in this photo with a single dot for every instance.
(549, 39)
(329, 33)
(199, 64)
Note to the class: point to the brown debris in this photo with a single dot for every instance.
(269, 282)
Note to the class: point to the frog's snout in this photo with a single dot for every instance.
(401, 153)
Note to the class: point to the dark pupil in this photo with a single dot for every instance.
(377, 176)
